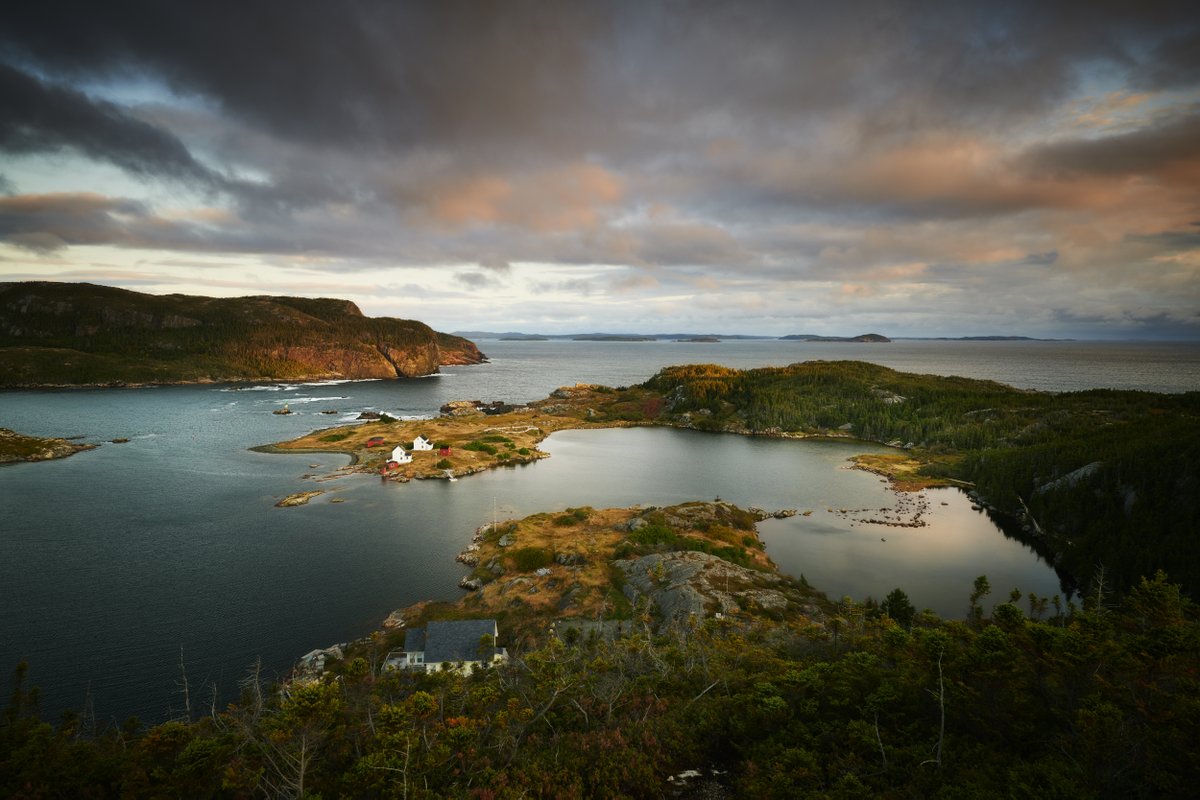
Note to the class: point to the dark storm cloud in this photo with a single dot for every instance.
(1175, 61)
(39, 117)
(1152, 149)
(530, 88)
(50, 222)
(371, 73)
(547, 77)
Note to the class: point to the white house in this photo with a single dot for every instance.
(400, 456)
(461, 645)
(421, 443)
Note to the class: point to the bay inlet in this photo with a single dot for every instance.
(121, 564)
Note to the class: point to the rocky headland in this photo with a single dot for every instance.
(78, 334)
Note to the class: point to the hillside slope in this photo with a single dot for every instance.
(79, 334)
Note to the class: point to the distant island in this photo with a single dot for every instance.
(516, 336)
(593, 336)
(980, 339)
(809, 337)
(80, 334)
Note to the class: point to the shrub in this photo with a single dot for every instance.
(443, 464)
(334, 437)
(480, 447)
(571, 517)
(527, 559)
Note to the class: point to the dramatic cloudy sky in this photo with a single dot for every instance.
(910, 168)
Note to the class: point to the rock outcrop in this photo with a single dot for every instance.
(682, 585)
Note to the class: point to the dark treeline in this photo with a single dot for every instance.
(1098, 701)
(1110, 479)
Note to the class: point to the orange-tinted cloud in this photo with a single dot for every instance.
(562, 199)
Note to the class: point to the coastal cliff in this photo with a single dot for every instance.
(78, 334)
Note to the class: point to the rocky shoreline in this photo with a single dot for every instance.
(561, 570)
(15, 447)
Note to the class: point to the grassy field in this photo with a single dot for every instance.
(475, 443)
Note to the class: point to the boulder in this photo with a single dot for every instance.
(462, 408)
(686, 585)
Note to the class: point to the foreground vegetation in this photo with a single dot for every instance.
(74, 334)
(1097, 701)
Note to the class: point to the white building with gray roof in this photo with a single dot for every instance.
(462, 645)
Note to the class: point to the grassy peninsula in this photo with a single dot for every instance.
(79, 334)
(20, 447)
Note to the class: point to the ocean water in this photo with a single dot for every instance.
(125, 567)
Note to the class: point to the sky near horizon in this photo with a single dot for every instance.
(908, 168)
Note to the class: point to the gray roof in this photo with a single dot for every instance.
(455, 640)
(414, 640)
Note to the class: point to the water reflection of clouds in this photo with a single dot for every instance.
(935, 564)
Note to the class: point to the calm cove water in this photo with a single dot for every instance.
(118, 563)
